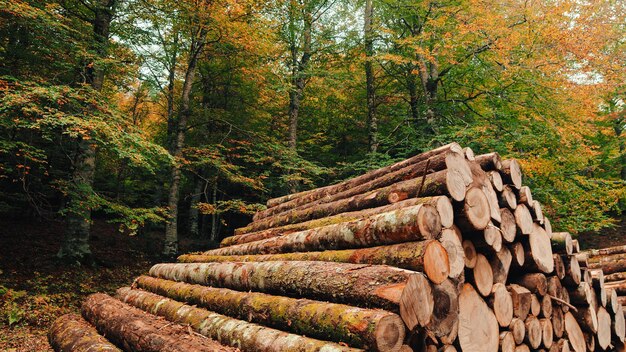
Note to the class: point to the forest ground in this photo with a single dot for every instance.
(35, 289)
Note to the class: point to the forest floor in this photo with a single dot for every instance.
(35, 289)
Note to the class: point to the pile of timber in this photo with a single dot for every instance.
(444, 251)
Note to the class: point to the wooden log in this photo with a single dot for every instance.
(481, 181)
(547, 225)
(507, 342)
(537, 212)
(439, 183)
(604, 328)
(614, 276)
(511, 173)
(491, 239)
(525, 196)
(489, 161)
(414, 223)
(539, 255)
(428, 256)
(612, 302)
(374, 174)
(558, 325)
(507, 225)
(617, 286)
(361, 285)
(518, 329)
(581, 295)
(572, 272)
(606, 251)
(618, 324)
(587, 318)
(535, 305)
(501, 303)
(229, 331)
(546, 307)
(476, 334)
(583, 259)
(562, 345)
(482, 275)
(574, 333)
(534, 282)
(475, 212)
(576, 246)
(610, 267)
(71, 333)
(533, 332)
(506, 198)
(496, 180)
(500, 265)
(559, 266)
(358, 327)
(442, 203)
(555, 287)
(446, 309)
(523, 219)
(470, 254)
(522, 348)
(469, 154)
(590, 340)
(521, 300)
(517, 251)
(417, 302)
(547, 333)
(451, 241)
(139, 331)
(565, 298)
(562, 243)
(597, 282)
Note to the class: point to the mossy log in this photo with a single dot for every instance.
(136, 330)
(358, 327)
(452, 161)
(428, 256)
(442, 203)
(453, 147)
(416, 223)
(247, 337)
(71, 333)
(606, 251)
(440, 183)
(362, 285)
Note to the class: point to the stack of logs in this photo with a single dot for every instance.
(444, 251)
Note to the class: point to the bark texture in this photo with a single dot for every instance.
(71, 333)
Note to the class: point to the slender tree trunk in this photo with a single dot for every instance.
(170, 247)
(411, 83)
(429, 74)
(372, 122)
(196, 196)
(215, 216)
(171, 80)
(75, 246)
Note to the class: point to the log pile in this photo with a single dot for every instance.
(445, 251)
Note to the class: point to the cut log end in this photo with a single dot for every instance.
(456, 184)
(476, 209)
(574, 333)
(483, 275)
(541, 250)
(416, 302)
(512, 172)
(390, 333)
(502, 304)
(436, 262)
(429, 221)
(478, 327)
(450, 239)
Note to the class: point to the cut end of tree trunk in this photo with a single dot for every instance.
(436, 263)
(478, 326)
(540, 249)
(450, 240)
(417, 302)
(389, 334)
(476, 209)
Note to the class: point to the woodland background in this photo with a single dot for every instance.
(155, 122)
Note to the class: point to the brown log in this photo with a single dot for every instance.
(574, 333)
(139, 331)
(496, 180)
(451, 241)
(554, 287)
(507, 342)
(417, 302)
(501, 303)
(511, 173)
(446, 309)
(606, 251)
(428, 256)
(228, 331)
(576, 246)
(534, 282)
(583, 259)
(559, 266)
(610, 267)
(590, 340)
(482, 275)
(562, 345)
(475, 212)
(537, 212)
(415, 223)
(481, 180)
(539, 256)
(535, 305)
(358, 327)
(612, 302)
(517, 251)
(362, 285)
(322, 192)
(507, 225)
(546, 307)
(71, 333)
(565, 298)
(597, 282)
(604, 328)
(618, 324)
(439, 183)
(476, 334)
(491, 239)
(443, 205)
(581, 295)
(558, 325)
(518, 329)
(614, 276)
(447, 348)
(500, 265)
(525, 196)
(533, 332)
(587, 318)
(572, 272)
(547, 225)
(506, 199)
(547, 333)
(489, 161)
(521, 301)
(469, 154)
(522, 348)
(617, 286)
(562, 243)
(470, 254)
(523, 219)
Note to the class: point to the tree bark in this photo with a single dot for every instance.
(194, 213)
(428, 256)
(228, 331)
(372, 122)
(139, 331)
(358, 327)
(71, 333)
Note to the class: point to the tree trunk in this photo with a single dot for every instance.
(228, 331)
(194, 213)
(71, 333)
(369, 77)
(357, 327)
(139, 331)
